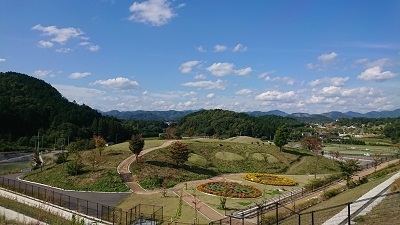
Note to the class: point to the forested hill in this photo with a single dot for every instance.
(223, 123)
(28, 104)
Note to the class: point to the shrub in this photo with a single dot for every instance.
(62, 157)
(317, 183)
(331, 193)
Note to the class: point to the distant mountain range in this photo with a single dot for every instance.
(173, 115)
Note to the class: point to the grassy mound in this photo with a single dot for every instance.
(229, 156)
(210, 158)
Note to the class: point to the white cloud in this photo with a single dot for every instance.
(63, 50)
(375, 73)
(45, 44)
(211, 95)
(276, 96)
(187, 103)
(187, 66)
(119, 83)
(200, 77)
(223, 69)
(154, 12)
(380, 62)
(42, 73)
(80, 94)
(243, 72)
(331, 91)
(217, 85)
(239, 48)
(324, 61)
(327, 57)
(334, 81)
(286, 80)
(78, 75)
(220, 48)
(61, 35)
(94, 48)
(201, 49)
(192, 93)
(244, 92)
(2, 60)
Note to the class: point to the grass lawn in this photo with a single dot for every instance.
(209, 158)
(102, 177)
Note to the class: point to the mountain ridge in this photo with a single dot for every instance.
(173, 115)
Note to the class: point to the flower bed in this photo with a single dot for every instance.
(229, 189)
(270, 179)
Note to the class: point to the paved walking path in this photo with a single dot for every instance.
(358, 205)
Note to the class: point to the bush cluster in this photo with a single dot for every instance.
(270, 179)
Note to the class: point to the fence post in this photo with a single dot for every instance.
(299, 220)
(348, 214)
(312, 218)
(276, 213)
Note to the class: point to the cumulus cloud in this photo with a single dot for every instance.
(42, 73)
(78, 75)
(153, 12)
(200, 76)
(276, 96)
(94, 48)
(2, 60)
(62, 36)
(324, 61)
(211, 95)
(63, 50)
(45, 44)
(119, 83)
(327, 57)
(192, 93)
(239, 48)
(223, 69)
(201, 49)
(335, 81)
(244, 92)
(217, 85)
(220, 48)
(286, 80)
(187, 66)
(376, 73)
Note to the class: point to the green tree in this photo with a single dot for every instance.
(349, 168)
(179, 153)
(281, 137)
(136, 144)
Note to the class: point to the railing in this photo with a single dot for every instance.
(102, 212)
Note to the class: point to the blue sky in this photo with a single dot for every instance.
(294, 56)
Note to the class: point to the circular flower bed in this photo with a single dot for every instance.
(270, 179)
(230, 189)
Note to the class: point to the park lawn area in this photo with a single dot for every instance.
(169, 203)
(101, 176)
(211, 158)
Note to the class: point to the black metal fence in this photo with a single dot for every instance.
(102, 212)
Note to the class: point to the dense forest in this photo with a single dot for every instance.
(222, 124)
(30, 107)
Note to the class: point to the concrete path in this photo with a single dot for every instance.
(341, 217)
